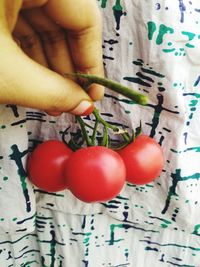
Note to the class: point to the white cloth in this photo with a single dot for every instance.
(154, 47)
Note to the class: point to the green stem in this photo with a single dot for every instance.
(107, 126)
(84, 131)
(101, 120)
(94, 134)
(89, 126)
(126, 137)
(105, 137)
(117, 87)
(73, 145)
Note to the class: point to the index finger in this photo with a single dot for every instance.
(82, 20)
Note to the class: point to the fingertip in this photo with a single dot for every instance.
(96, 92)
(84, 108)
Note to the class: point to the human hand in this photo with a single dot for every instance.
(40, 40)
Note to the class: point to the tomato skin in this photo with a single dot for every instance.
(95, 174)
(143, 159)
(45, 165)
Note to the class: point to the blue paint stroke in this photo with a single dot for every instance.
(182, 9)
(158, 6)
(197, 81)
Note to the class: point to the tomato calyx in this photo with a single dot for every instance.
(100, 133)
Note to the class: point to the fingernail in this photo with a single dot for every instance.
(83, 109)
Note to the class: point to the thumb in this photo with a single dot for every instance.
(25, 83)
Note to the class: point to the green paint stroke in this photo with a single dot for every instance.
(23, 183)
(190, 35)
(118, 13)
(29, 263)
(17, 157)
(86, 240)
(52, 253)
(193, 103)
(161, 219)
(176, 178)
(195, 149)
(163, 225)
(196, 230)
(196, 95)
(169, 50)
(126, 253)
(171, 245)
(190, 46)
(191, 116)
(103, 3)
(163, 30)
(117, 6)
(125, 226)
(112, 233)
(151, 29)
(149, 185)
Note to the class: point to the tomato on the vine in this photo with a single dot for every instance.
(143, 159)
(45, 165)
(95, 174)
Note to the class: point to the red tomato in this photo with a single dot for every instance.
(95, 174)
(143, 159)
(45, 165)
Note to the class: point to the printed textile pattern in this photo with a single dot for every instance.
(154, 47)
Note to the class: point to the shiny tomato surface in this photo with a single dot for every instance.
(95, 174)
(45, 165)
(143, 159)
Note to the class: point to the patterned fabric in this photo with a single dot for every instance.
(17, 199)
(154, 47)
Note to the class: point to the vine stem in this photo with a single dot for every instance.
(95, 130)
(101, 120)
(107, 125)
(114, 86)
(84, 131)
(105, 141)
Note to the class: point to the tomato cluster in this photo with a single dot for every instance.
(94, 173)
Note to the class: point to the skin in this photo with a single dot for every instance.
(40, 41)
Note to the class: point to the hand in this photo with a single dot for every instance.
(40, 41)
